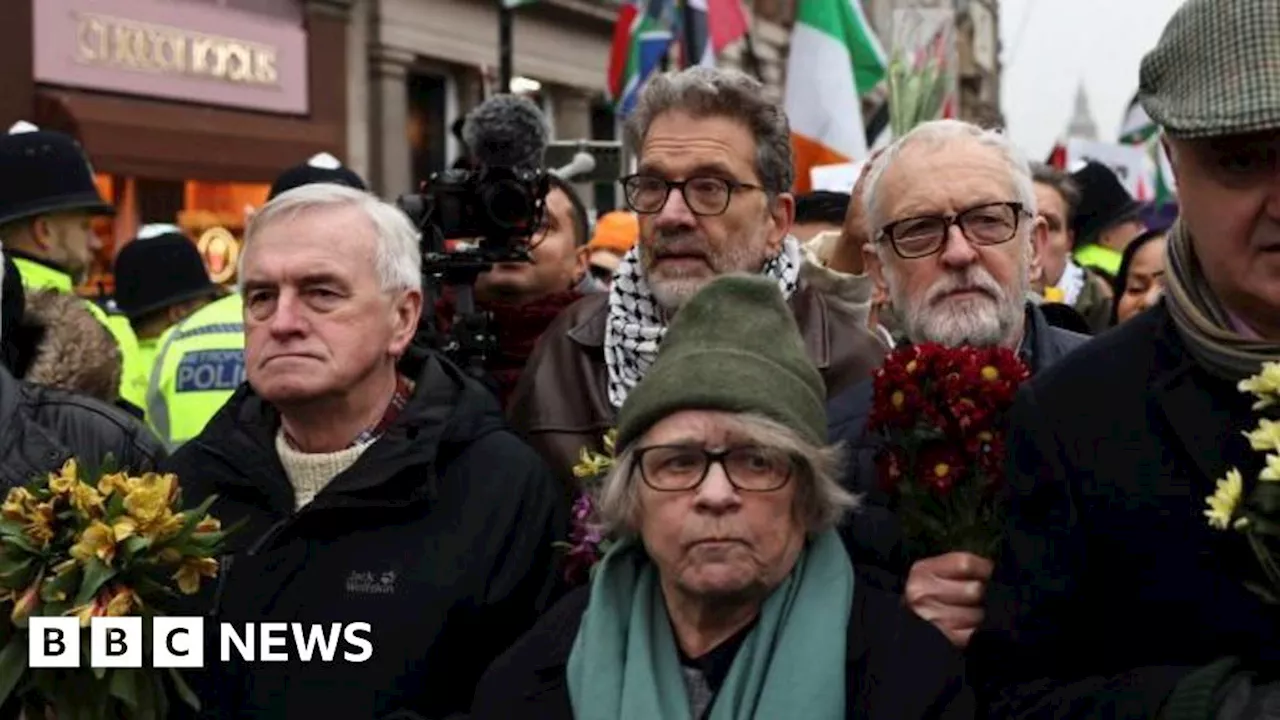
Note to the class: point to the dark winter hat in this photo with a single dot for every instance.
(43, 171)
(321, 168)
(734, 346)
(1104, 202)
(1216, 70)
(159, 268)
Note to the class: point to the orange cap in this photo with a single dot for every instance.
(616, 231)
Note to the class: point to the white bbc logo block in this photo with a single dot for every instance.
(53, 642)
(115, 642)
(177, 642)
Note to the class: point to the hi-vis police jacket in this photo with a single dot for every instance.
(198, 367)
(133, 374)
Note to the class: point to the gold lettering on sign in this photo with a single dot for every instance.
(145, 47)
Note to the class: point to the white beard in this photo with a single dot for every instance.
(982, 320)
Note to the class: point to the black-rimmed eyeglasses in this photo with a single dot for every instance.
(749, 468)
(989, 224)
(648, 194)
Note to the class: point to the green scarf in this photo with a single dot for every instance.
(624, 664)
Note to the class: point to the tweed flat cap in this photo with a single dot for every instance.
(1216, 70)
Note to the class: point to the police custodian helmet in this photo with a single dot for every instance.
(43, 171)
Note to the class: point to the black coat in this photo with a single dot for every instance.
(40, 428)
(1111, 585)
(873, 535)
(899, 666)
(440, 536)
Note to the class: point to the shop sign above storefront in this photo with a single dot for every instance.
(181, 51)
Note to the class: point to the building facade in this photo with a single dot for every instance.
(417, 66)
(188, 109)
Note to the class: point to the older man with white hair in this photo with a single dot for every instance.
(952, 233)
(376, 487)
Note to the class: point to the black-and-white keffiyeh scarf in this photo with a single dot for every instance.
(636, 322)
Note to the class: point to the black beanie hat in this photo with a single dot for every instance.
(1104, 202)
(733, 346)
(155, 271)
(321, 168)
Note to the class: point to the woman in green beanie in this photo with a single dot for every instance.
(728, 594)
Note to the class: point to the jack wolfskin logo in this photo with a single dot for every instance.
(367, 583)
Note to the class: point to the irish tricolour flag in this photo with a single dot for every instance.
(835, 58)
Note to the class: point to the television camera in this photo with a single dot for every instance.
(471, 220)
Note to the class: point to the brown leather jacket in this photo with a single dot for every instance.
(562, 402)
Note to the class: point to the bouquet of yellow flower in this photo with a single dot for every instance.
(107, 544)
(587, 543)
(1257, 516)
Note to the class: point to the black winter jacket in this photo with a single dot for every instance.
(40, 428)
(440, 536)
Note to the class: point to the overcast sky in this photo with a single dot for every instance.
(1050, 47)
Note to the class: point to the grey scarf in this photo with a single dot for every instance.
(1203, 323)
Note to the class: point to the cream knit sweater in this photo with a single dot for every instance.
(309, 473)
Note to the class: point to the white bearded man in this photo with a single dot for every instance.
(952, 236)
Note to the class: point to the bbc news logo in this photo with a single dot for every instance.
(178, 642)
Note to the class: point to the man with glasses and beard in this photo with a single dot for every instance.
(712, 190)
(953, 230)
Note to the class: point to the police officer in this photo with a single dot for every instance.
(47, 204)
(160, 281)
(201, 359)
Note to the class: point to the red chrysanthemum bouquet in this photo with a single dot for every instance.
(941, 413)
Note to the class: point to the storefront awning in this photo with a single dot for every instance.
(176, 141)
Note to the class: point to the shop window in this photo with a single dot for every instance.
(212, 214)
(428, 127)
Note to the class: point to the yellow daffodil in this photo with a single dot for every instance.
(97, 540)
(1265, 386)
(116, 482)
(169, 524)
(1271, 473)
(40, 524)
(123, 528)
(148, 501)
(17, 504)
(591, 464)
(1222, 504)
(122, 602)
(86, 500)
(190, 572)
(611, 442)
(65, 479)
(1266, 436)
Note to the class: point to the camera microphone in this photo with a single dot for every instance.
(582, 162)
(507, 131)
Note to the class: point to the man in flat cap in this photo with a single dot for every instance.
(1115, 594)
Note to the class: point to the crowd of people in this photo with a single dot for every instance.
(717, 343)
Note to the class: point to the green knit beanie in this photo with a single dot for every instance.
(733, 346)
